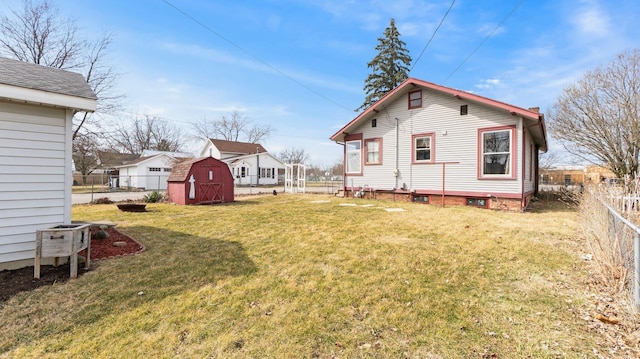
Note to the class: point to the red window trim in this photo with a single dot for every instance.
(433, 147)
(349, 138)
(514, 153)
(366, 142)
(409, 99)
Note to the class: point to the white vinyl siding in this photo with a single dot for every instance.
(456, 142)
(33, 181)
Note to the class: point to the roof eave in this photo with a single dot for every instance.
(26, 95)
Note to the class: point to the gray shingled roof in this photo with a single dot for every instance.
(37, 77)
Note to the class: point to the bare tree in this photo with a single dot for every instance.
(147, 133)
(293, 155)
(85, 155)
(548, 160)
(39, 34)
(233, 127)
(597, 118)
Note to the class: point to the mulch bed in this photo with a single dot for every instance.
(20, 280)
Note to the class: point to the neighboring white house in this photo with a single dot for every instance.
(429, 143)
(250, 163)
(243, 169)
(37, 105)
(149, 172)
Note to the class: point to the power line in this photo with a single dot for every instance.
(483, 41)
(432, 36)
(282, 73)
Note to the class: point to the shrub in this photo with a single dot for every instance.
(153, 197)
(103, 200)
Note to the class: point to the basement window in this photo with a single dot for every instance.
(420, 198)
(477, 202)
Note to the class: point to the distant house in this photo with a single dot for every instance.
(563, 175)
(428, 143)
(250, 163)
(576, 175)
(37, 105)
(102, 167)
(150, 171)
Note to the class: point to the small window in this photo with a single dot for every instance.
(374, 122)
(464, 109)
(242, 172)
(154, 169)
(421, 198)
(415, 99)
(477, 202)
(423, 148)
(166, 169)
(373, 149)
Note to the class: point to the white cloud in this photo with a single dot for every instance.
(590, 20)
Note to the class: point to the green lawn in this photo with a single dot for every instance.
(288, 277)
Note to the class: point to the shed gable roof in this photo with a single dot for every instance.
(180, 171)
(539, 131)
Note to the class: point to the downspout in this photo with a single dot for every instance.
(397, 171)
(524, 165)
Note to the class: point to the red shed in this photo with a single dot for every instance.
(200, 181)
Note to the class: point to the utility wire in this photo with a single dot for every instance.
(432, 36)
(282, 73)
(483, 41)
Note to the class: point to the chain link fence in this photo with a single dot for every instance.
(610, 214)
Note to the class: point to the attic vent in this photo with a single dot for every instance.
(464, 109)
(374, 122)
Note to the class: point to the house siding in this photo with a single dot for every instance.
(455, 142)
(33, 178)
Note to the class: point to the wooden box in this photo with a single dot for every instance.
(63, 241)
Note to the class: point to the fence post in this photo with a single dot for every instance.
(636, 267)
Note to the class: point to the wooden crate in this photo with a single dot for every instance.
(63, 241)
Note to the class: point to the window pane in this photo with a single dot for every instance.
(423, 155)
(353, 146)
(496, 164)
(353, 162)
(496, 141)
(423, 142)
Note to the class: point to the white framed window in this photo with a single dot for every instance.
(373, 150)
(423, 148)
(154, 169)
(497, 148)
(353, 156)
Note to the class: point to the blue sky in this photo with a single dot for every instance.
(184, 70)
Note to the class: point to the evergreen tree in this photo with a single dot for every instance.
(389, 67)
